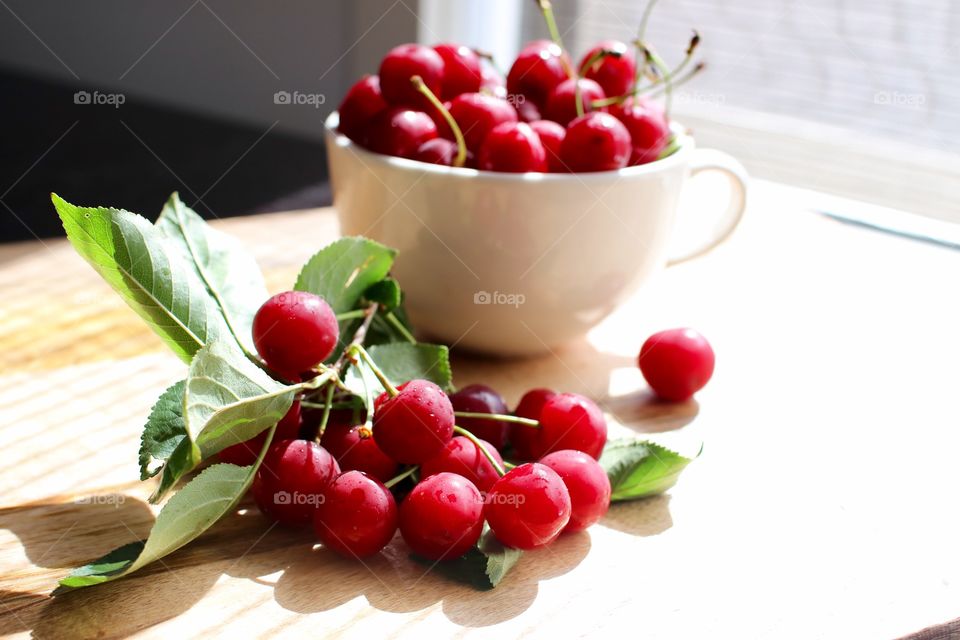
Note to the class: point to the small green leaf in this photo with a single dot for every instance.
(639, 468)
(483, 566)
(182, 461)
(196, 507)
(164, 430)
(402, 361)
(343, 270)
(386, 292)
(138, 262)
(230, 274)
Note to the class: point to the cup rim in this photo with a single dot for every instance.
(685, 148)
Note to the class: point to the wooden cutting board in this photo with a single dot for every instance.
(823, 505)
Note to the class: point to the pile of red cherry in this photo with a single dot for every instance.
(445, 106)
(342, 485)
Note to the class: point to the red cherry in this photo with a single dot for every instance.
(676, 363)
(492, 82)
(290, 483)
(463, 457)
(362, 102)
(525, 440)
(528, 507)
(539, 67)
(562, 102)
(614, 74)
(551, 136)
(442, 517)
(479, 398)
(402, 63)
(399, 132)
(295, 331)
(476, 114)
(416, 424)
(595, 141)
(461, 70)
(437, 151)
(243, 454)
(588, 484)
(355, 449)
(526, 109)
(357, 516)
(648, 128)
(512, 147)
(571, 421)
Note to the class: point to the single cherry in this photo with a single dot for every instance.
(437, 151)
(290, 483)
(562, 101)
(414, 425)
(527, 110)
(295, 331)
(476, 114)
(551, 136)
(400, 132)
(245, 453)
(402, 63)
(540, 66)
(512, 147)
(615, 74)
(442, 517)
(595, 141)
(571, 421)
(463, 457)
(362, 102)
(492, 82)
(648, 128)
(676, 363)
(479, 398)
(357, 517)
(526, 440)
(461, 70)
(356, 450)
(528, 507)
(587, 483)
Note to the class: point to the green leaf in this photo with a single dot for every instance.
(182, 461)
(386, 292)
(138, 262)
(344, 269)
(196, 507)
(164, 430)
(228, 271)
(639, 468)
(483, 566)
(402, 361)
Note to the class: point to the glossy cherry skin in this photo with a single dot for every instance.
(437, 151)
(615, 74)
(295, 331)
(291, 482)
(357, 517)
(362, 102)
(540, 66)
(595, 141)
(528, 507)
(562, 102)
(648, 128)
(571, 421)
(461, 70)
(676, 363)
(525, 440)
(476, 114)
(442, 517)
(402, 63)
(587, 483)
(245, 453)
(399, 132)
(479, 398)
(551, 136)
(492, 82)
(462, 457)
(526, 109)
(512, 147)
(356, 450)
(416, 424)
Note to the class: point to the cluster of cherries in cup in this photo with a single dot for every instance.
(530, 122)
(341, 485)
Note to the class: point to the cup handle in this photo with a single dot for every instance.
(713, 160)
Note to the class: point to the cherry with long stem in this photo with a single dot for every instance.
(479, 445)
(421, 86)
(589, 62)
(499, 417)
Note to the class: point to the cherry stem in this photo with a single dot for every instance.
(358, 336)
(641, 34)
(328, 401)
(377, 371)
(472, 438)
(350, 315)
(546, 8)
(399, 478)
(402, 330)
(589, 62)
(457, 133)
(327, 375)
(499, 417)
(509, 465)
(661, 80)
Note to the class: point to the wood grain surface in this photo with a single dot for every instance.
(823, 506)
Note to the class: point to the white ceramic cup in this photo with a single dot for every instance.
(516, 264)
